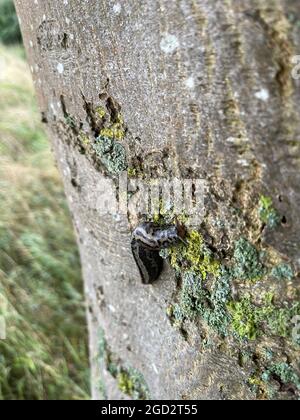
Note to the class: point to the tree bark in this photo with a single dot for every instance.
(205, 89)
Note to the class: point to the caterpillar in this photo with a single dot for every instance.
(146, 242)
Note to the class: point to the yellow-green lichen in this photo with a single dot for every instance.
(245, 319)
(116, 130)
(113, 133)
(259, 387)
(250, 321)
(100, 111)
(267, 213)
(84, 138)
(131, 172)
(125, 383)
(255, 381)
(194, 256)
(195, 262)
(130, 381)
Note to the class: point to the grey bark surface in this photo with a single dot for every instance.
(205, 90)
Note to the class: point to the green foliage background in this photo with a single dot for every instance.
(45, 353)
(9, 26)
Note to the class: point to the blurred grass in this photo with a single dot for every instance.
(9, 25)
(45, 353)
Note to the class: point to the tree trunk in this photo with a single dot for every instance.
(193, 89)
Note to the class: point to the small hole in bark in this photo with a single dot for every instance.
(74, 183)
(284, 220)
(44, 118)
(113, 109)
(64, 42)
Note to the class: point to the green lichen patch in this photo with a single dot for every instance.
(248, 265)
(197, 301)
(130, 381)
(112, 130)
(70, 121)
(250, 321)
(267, 213)
(112, 154)
(193, 299)
(268, 354)
(245, 318)
(220, 318)
(284, 372)
(282, 272)
(280, 320)
(194, 257)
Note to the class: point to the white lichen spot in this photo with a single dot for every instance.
(60, 68)
(31, 27)
(112, 308)
(117, 9)
(155, 369)
(117, 217)
(263, 95)
(190, 83)
(66, 2)
(68, 21)
(243, 162)
(32, 69)
(44, 18)
(31, 43)
(232, 139)
(169, 43)
(52, 107)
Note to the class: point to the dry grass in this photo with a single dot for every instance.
(45, 353)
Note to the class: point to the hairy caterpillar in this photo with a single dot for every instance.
(146, 242)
